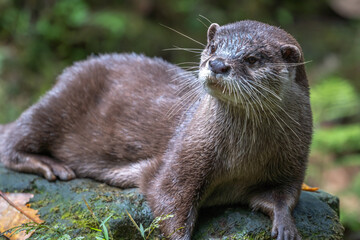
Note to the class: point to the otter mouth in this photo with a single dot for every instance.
(217, 88)
(214, 84)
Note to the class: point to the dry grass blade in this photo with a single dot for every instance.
(89, 208)
(133, 221)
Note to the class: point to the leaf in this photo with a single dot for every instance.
(95, 229)
(105, 232)
(142, 231)
(305, 187)
(104, 229)
(10, 217)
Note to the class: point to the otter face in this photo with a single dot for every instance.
(248, 62)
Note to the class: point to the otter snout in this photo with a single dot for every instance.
(219, 66)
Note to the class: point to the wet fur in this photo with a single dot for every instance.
(122, 119)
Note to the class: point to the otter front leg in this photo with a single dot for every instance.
(176, 190)
(38, 164)
(278, 204)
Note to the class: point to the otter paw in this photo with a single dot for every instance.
(285, 232)
(63, 172)
(41, 165)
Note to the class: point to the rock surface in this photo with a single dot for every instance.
(62, 206)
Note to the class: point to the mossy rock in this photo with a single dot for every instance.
(62, 206)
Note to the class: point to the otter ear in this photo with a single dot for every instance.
(290, 53)
(211, 31)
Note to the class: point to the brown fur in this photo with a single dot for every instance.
(118, 119)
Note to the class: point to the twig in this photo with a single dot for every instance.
(91, 211)
(17, 208)
(3, 235)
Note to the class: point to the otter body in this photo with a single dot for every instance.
(238, 133)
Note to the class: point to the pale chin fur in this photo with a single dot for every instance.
(205, 76)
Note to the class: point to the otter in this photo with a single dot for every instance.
(238, 133)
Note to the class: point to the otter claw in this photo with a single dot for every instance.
(282, 232)
(63, 172)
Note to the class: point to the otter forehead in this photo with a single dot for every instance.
(257, 31)
(245, 37)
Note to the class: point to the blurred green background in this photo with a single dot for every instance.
(40, 38)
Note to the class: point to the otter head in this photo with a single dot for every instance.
(249, 62)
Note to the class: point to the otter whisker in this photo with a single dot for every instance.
(182, 82)
(184, 76)
(271, 111)
(191, 89)
(277, 105)
(271, 101)
(187, 76)
(192, 101)
(185, 87)
(280, 125)
(191, 68)
(288, 64)
(290, 128)
(277, 76)
(202, 16)
(206, 26)
(252, 88)
(245, 100)
(267, 90)
(183, 102)
(185, 68)
(289, 115)
(183, 63)
(184, 35)
(256, 112)
(192, 50)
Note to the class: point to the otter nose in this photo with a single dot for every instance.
(218, 65)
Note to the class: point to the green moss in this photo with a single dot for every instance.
(62, 206)
(55, 210)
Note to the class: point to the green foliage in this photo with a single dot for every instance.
(114, 22)
(339, 140)
(350, 217)
(334, 98)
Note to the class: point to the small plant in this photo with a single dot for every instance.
(104, 231)
(102, 227)
(155, 224)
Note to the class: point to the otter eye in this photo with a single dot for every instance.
(251, 60)
(212, 48)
